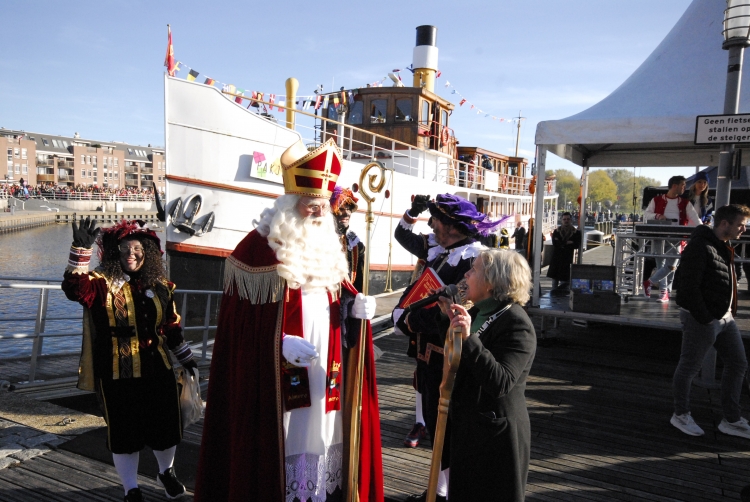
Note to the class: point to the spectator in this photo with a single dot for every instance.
(708, 302)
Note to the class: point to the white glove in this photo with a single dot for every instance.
(298, 351)
(364, 307)
(397, 313)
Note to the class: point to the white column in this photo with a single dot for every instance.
(536, 260)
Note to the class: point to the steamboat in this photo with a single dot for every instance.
(224, 148)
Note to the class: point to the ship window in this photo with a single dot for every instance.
(355, 112)
(403, 110)
(425, 118)
(513, 169)
(445, 118)
(378, 111)
(332, 112)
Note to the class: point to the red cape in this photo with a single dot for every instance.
(242, 449)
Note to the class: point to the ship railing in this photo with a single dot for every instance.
(361, 145)
(134, 197)
(43, 288)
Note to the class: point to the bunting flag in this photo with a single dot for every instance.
(192, 75)
(473, 106)
(343, 97)
(209, 81)
(271, 100)
(318, 101)
(169, 58)
(325, 102)
(306, 105)
(335, 101)
(254, 102)
(238, 99)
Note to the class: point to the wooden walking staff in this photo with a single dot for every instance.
(451, 360)
(375, 184)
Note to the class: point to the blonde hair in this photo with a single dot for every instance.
(508, 274)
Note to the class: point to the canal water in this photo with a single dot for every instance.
(40, 252)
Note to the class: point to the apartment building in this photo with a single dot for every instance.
(41, 158)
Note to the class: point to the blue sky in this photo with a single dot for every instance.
(95, 67)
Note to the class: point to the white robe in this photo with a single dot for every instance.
(313, 441)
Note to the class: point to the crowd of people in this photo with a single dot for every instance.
(292, 387)
(23, 190)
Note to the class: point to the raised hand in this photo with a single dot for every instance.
(84, 234)
(419, 205)
(161, 215)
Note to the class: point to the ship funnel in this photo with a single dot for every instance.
(425, 57)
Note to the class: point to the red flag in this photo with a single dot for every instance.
(462, 102)
(343, 97)
(438, 74)
(169, 59)
(271, 100)
(318, 100)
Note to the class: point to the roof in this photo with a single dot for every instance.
(59, 144)
(650, 119)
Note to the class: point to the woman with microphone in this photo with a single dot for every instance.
(490, 432)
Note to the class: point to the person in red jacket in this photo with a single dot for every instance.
(673, 208)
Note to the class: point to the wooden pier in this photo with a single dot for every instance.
(24, 220)
(599, 398)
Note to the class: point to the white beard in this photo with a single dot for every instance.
(309, 248)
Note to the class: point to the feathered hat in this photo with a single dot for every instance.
(111, 237)
(342, 197)
(454, 210)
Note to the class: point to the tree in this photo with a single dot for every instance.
(601, 187)
(568, 186)
(623, 178)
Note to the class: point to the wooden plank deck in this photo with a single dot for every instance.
(599, 399)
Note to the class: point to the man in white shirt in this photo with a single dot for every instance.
(669, 207)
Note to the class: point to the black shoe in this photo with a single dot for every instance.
(422, 497)
(134, 495)
(172, 487)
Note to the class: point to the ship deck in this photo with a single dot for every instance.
(599, 399)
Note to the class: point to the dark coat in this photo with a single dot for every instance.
(562, 256)
(520, 237)
(490, 456)
(705, 277)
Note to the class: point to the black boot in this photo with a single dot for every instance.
(134, 495)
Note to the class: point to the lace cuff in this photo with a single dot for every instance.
(408, 221)
(311, 476)
(78, 260)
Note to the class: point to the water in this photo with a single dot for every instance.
(37, 252)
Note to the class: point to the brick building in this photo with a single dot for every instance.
(41, 158)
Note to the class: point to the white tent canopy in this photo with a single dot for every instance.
(650, 119)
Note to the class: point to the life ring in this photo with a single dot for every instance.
(445, 136)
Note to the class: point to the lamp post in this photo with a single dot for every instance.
(736, 38)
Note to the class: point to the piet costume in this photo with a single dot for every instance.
(422, 328)
(129, 327)
(343, 198)
(274, 431)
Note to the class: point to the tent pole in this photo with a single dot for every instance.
(536, 263)
(731, 106)
(582, 214)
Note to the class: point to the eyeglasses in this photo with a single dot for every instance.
(316, 207)
(125, 250)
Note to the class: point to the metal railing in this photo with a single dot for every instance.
(41, 318)
(361, 145)
(139, 197)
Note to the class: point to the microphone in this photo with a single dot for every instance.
(452, 290)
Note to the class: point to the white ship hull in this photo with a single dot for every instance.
(224, 152)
